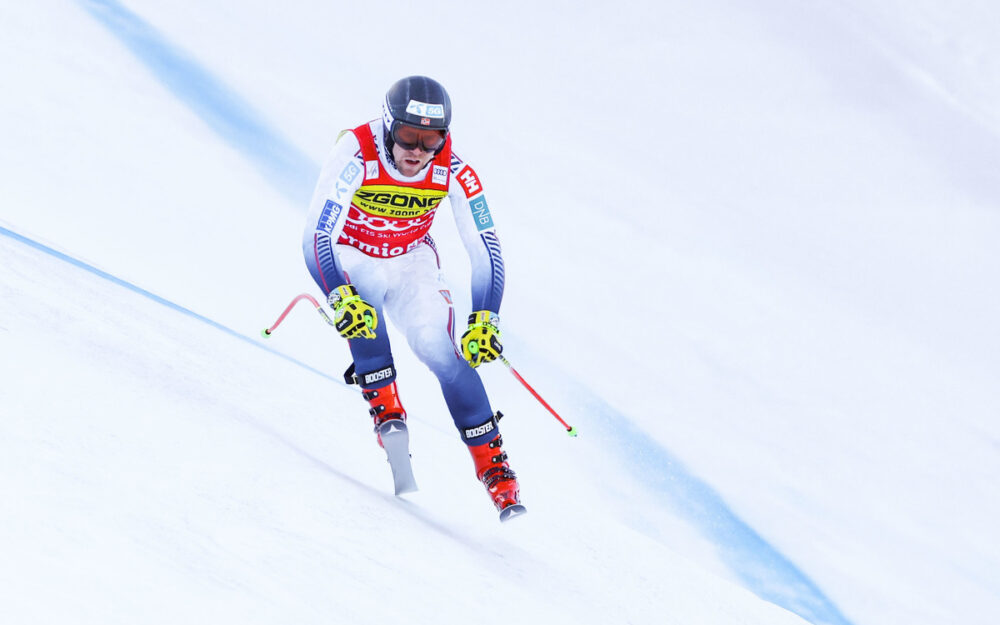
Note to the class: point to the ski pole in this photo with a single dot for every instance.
(569, 429)
(267, 331)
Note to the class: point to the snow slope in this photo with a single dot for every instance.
(165, 471)
(798, 204)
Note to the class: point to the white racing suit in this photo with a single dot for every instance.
(368, 226)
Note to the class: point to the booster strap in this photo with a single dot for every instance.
(376, 379)
(369, 380)
(483, 428)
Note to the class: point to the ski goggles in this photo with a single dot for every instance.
(427, 139)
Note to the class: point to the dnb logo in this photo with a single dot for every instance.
(328, 218)
(481, 212)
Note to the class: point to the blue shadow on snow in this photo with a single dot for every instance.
(160, 300)
(285, 168)
(762, 568)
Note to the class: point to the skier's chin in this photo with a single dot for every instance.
(410, 162)
(410, 166)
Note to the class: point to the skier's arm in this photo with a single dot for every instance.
(342, 175)
(475, 225)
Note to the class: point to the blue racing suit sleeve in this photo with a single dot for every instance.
(478, 232)
(341, 176)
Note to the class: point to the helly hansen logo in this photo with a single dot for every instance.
(378, 376)
(485, 428)
(469, 182)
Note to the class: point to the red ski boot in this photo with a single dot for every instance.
(393, 437)
(385, 407)
(500, 481)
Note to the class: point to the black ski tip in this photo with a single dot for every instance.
(512, 511)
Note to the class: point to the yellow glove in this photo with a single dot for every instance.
(352, 316)
(481, 342)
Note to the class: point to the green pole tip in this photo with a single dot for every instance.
(265, 333)
(571, 431)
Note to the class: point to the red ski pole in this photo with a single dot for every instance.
(267, 332)
(569, 429)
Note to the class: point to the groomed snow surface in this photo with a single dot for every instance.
(751, 255)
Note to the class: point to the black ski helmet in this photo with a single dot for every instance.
(416, 101)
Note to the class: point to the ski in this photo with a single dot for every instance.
(512, 511)
(396, 441)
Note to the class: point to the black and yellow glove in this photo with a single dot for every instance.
(481, 342)
(352, 316)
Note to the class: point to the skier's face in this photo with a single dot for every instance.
(410, 162)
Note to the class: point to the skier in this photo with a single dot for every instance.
(367, 246)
